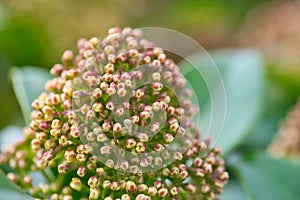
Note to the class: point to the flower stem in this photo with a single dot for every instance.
(46, 176)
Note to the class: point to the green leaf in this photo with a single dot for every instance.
(268, 178)
(9, 190)
(243, 76)
(9, 135)
(233, 191)
(28, 84)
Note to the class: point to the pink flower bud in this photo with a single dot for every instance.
(76, 184)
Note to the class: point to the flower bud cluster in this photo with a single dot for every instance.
(105, 127)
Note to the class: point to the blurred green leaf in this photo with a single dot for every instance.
(9, 190)
(233, 191)
(244, 79)
(9, 135)
(28, 84)
(268, 178)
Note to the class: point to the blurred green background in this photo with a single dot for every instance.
(36, 32)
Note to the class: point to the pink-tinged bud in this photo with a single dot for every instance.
(177, 156)
(119, 112)
(157, 86)
(27, 180)
(152, 191)
(121, 92)
(174, 171)
(205, 189)
(117, 127)
(143, 137)
(75, 133)
(219, 184)
(91, 166)
(135, 119)
(41, 136)
(125, 197)
(130, 143)
(97, 107)
(105, 150)
(108, 198)
(55, 99)
(109, 163)
(163, 192)
(130, 186)
(76, 184)
(174, 127)
(100, 172)
(140, 93)
(106, 184)
(106, 127)
(109, 50)
(62, 168)
(224, 176)
(107, 78)
(97, 93)
(115, 186)
(145, 115)
(142, 187)
(154, 127)
(144, 162)
(171, 110)
(93, 182)
(156, 77)
(81, 171)
(50, 144)
(158, 184)
(200, 173)
(168, 138)
(90, 115)
(94, 41)
(102, 137)
(56, 123)
(207, 168)
(126, 105)
(85, 108)
(35, 144)
(183, 175)
(165, 172)
(124, 165)
(198, 162)
(44, 125)
(57, 69)
(36, 104)
(55, 132)
(174, 191)
(63, 141)
(147, 59)
(81, 157)
(67, 57)
(191, 188)
(94, 193)
(159, 147)
(34, 125)
(70, 155)
(163, 105)
(122, 57)
(140, 147)
(210, 159)
(103, 86)
(133, 53)
(189, 153)
(158, 161)
(109, 68)
(12, 177)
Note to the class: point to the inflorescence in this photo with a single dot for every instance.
(116, 122)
